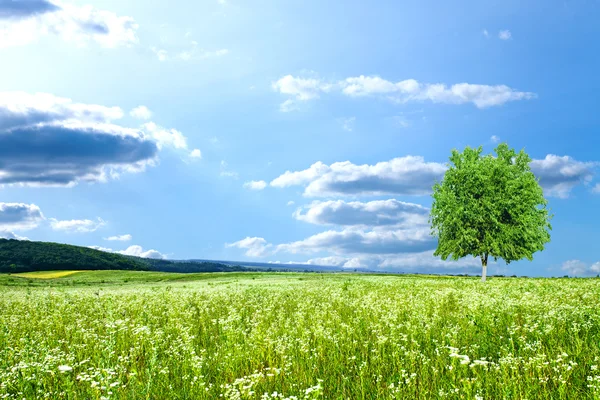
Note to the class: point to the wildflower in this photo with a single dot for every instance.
(65, 368)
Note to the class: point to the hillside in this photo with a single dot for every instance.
(26, 256)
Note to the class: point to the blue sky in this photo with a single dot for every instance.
(291, 131)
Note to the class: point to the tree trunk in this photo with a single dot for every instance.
(484, 259)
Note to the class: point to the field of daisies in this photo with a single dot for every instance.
(302, 336)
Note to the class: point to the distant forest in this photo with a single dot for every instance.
(26, 256)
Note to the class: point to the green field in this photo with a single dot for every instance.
(147, 335)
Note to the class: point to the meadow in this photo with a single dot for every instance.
(148, 335)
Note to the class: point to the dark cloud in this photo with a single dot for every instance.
(19, 216)
(559, 175)
(25, 8)
(62, 155)
(378, 213)
(10, 120)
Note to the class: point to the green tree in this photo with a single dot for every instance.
(489, 206)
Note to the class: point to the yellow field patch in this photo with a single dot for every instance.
(46, 274)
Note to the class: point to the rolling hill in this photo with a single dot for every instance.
(27, 256)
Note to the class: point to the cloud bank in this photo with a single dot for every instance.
(54, 141)
(482, 96)
(408, 175)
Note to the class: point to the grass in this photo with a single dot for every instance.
(111, 278)
(298, 336)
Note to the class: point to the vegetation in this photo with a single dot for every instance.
(299, 336)
(45, 274)
(489, 206)
(17, 256)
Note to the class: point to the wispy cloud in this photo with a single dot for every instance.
(119, 238)
(255, 185)
(348, 124)
(141, 112)
(504, 35)
(225, 172)
(254, 246)
(76, 225)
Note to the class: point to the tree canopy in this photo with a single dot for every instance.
(489, 206)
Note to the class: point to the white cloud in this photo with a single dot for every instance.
(579, 268)
(423, 262)
(409, 175)
(120, 238)
(596, 188)
(134, 250)
(165, 137)
(4, 234)
(409, 90)
(72, 23)
(378, 213)
(505, 34)
(141, 112)
(332, 261)
(291, 203)
(196, 153)
(100, 248)
(76, 225)
(427, 259)
(355, 262)
(229, 174)
(559, 175)
(409, 250)
(372, 85)
(254, 246)
(301, 88)
(485, 33)
(495, 139)
(358, 241)
(25, 109)
(19, 216)
(255, 185)
(138, 251)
